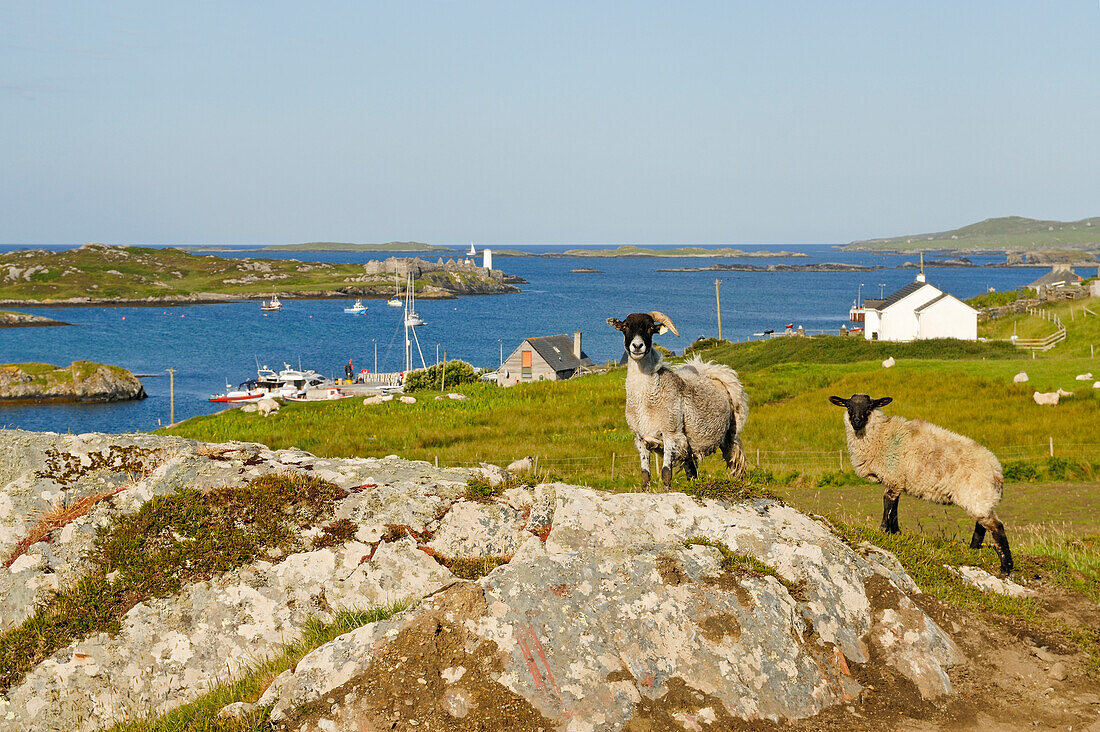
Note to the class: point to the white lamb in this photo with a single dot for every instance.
(925, 461)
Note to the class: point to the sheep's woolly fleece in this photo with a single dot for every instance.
(926, 461)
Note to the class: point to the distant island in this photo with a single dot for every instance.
(634, 251)
(81, 381)
(102, 274)
(326, 246)
(11, 319)
(585, 270)
(820, 267)
(1005, 234)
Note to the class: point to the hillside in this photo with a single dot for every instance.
(1008, 233)
(98, 273)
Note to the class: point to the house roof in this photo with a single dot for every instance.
(933, 301)
(1057, 277)
(894, 296)
(557, 351)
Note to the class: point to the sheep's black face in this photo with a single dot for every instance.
(637, 330)
(860, 407)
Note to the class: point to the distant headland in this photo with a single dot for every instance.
(99, 274)
(1008, 234)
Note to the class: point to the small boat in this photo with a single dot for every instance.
(357, 309)
(272, 304)
(472, 252)
(248, 391)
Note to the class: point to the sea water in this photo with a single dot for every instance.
(210, 345)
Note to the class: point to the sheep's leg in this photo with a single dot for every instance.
(676, 448)
(979, 536)
(1000, 541)
(643, 453)
(734, 455)
(690, 466)
(890, 511)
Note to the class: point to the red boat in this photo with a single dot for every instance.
(249, 391)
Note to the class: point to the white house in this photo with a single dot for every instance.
(919, 310)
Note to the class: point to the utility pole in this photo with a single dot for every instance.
(375, 342)
(501, 342)
(718, 298)
(171, 396)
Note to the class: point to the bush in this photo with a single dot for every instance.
(458, 372)
(994, 299)
(1057, 468)
(1020, 471)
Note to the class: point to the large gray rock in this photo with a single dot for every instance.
(607, 612)
(614, 619)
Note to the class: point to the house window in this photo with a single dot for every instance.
(526, 364)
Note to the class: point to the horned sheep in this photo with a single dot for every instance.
(925, 461)
(683, 413)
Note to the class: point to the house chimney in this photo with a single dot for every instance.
(577, 345)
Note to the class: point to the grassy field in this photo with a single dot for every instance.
(794, 437)
(1014, 233)
(129, 273)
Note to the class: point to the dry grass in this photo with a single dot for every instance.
(57, 516)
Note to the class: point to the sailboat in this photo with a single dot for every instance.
(472, 252)
(412, 319)
(395, 301)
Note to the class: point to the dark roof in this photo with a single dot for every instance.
(933, 301)
(895, 296)
(557, 351)
(872, 302)
(1057, 277)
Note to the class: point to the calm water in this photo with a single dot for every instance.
(209, 344)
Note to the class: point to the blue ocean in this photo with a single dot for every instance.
(210, 345)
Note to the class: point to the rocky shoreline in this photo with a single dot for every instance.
(80, 382)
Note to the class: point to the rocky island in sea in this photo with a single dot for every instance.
(819, 267)
(11, 319)
(81, 381)
(101, 274)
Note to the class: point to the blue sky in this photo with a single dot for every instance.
(542, 123)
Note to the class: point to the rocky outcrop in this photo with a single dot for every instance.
(606, 608)
(9, 319)
(82, 381)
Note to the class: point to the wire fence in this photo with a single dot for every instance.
(803, 460)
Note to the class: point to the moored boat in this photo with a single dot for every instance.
(248, 391)
(357, 309)
(272, 304)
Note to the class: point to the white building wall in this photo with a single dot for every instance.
(871, 323)
(948, 318)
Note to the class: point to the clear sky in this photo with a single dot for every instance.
(542, 123)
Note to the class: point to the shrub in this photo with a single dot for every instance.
(457, 373)
(1020, 471)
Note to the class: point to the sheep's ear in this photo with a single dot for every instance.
(839, 401)
(881, 402)
(616, 323)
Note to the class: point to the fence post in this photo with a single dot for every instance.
(612, 466)
(840, 459)
(758, 457)
(1052, 446)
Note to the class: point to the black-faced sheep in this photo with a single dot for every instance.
(684, 413)
(925, 461)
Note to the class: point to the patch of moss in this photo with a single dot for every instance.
(171, 540)
(724, 488)
(744, 565)
(471, 568)
(337, 533)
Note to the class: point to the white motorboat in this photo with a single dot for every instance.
(357, 309)
(272, 304)
(248, 391)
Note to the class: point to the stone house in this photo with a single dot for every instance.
(553, 358)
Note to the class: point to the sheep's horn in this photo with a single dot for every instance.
(664, 320)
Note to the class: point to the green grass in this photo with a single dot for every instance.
(170, 541)
(741, 565)
(200, 715)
